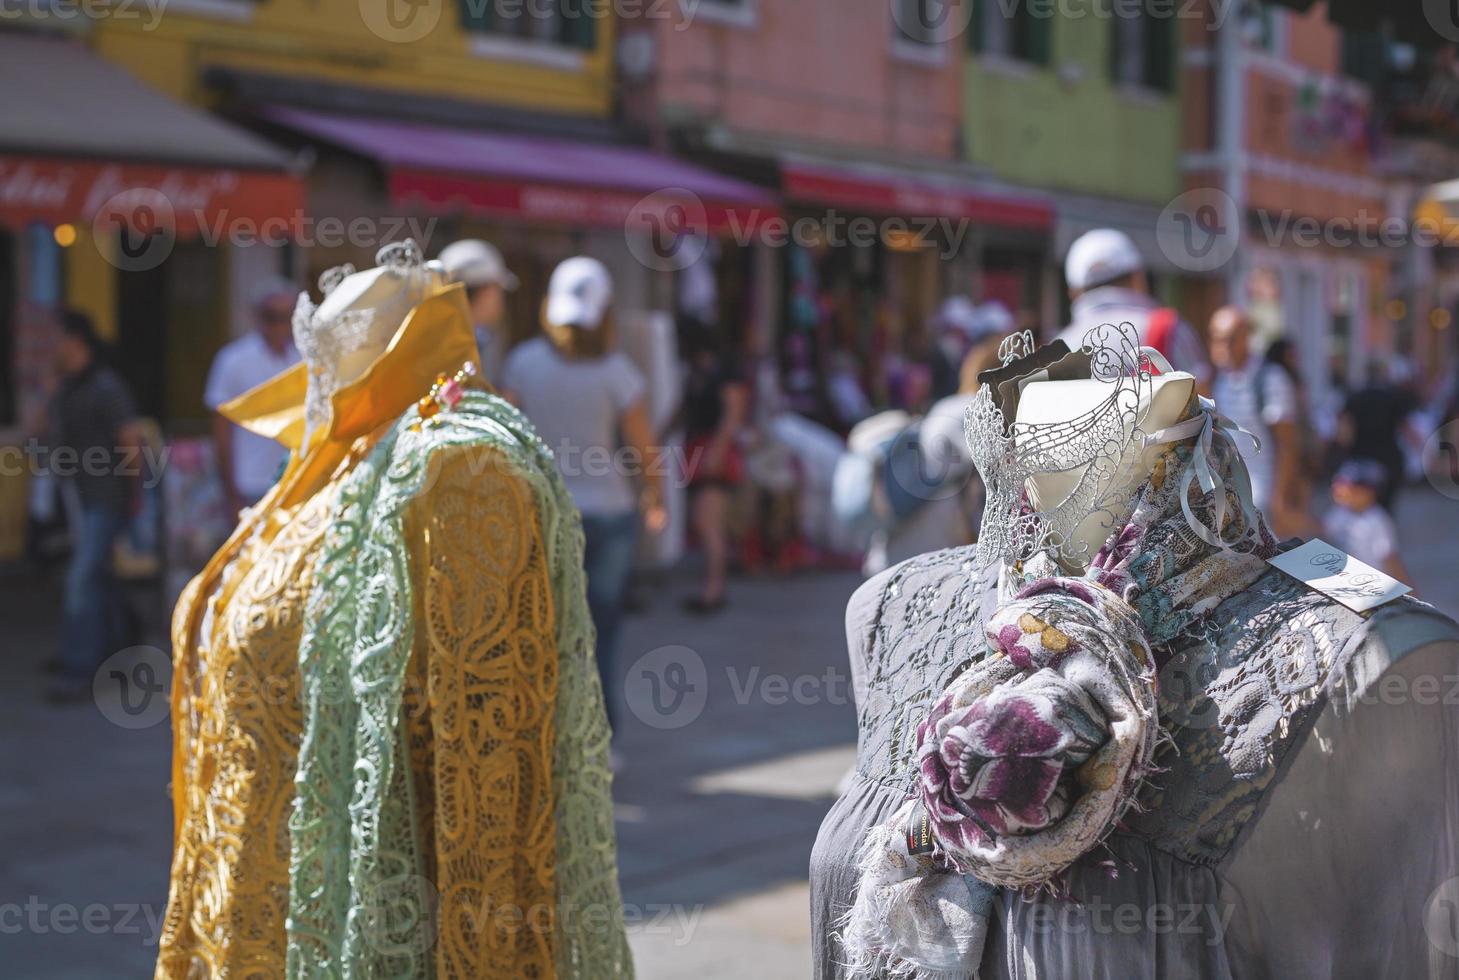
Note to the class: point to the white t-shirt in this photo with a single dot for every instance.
(1236, 397)
(577, 406)
(242, 366)
(1368, 535)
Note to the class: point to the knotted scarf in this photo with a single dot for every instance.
(1035, 751)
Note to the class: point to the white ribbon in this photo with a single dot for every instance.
(1203, 426)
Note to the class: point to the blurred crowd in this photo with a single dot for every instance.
(775, 472)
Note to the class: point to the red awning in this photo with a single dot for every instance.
(187, 199)
(95, 144)
(539, 179)
(912, 194)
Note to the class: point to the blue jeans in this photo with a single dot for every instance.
(610, 541)
(92, 613)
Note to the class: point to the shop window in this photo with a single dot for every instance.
(569, 23)
(1019, 30)
(1142, 47)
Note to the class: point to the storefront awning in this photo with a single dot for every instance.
(912, 194)
(94, 141)
(535, 178)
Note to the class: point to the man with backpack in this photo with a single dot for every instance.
(1106, 277)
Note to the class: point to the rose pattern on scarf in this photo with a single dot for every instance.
(1007, 763)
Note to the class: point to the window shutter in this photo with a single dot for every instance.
(476, 15)
(1160, 53)
(1040, 28)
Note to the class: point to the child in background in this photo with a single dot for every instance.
(1357, 523)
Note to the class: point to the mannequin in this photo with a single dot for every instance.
(338, 752)
(1257, 697)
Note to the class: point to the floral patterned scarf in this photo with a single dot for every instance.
(1033, 754)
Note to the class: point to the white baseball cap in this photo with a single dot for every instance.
(578, 294)
(476, 263)
(1101, 256)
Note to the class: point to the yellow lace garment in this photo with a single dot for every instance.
(478, 697)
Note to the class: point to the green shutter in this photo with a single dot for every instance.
(1160, 53)
(476, 15)
(1040, 30)
(975, 36)
(579, 25)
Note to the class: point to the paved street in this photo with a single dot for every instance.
(735, 736)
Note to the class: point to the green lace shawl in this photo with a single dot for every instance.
(360, 898)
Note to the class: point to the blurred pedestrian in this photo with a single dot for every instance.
(927, 494)
(1107, 282)
(582, 393)
(93, 422)
(716, 408)
(1260, 398)
(1281, 355)
(1357, 522)
(1373, 425)
(248, 463)
(479, 266)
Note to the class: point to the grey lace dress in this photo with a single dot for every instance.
(1305, 826)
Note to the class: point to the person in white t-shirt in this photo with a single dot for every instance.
(248, 464)
(1261, 399)
(589, 404)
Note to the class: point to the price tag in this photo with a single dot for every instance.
(1340, 576)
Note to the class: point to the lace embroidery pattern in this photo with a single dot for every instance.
(237, 736)
(369, 911)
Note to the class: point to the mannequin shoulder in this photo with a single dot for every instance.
(926, 586)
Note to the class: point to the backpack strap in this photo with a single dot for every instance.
(1160, 329)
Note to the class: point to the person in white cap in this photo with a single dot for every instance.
(1107, 282)
(479, 266)
(588, 402)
